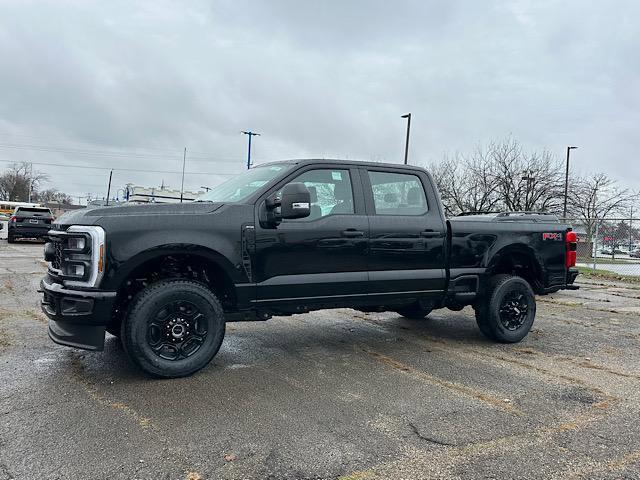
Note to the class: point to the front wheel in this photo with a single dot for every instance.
(508, 310)
(174, 328)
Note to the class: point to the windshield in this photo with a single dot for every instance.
(241, 186)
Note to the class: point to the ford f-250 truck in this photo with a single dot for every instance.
(285, 238)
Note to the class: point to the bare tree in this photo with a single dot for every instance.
(595, 197)
(52, 195)
(499, 177)
(19, 181)
(527, 181)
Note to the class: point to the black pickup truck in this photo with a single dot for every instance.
(285, 238)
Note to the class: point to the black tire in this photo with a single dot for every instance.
(414, 311)
(190, 316)
(508, 309)
(11, 239)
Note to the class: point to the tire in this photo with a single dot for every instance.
(11, 239)
(508, 309)
(414, 312)
(173, 328)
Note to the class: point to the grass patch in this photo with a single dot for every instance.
(608, 275)
(610, 261)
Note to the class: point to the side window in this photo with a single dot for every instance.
(397, 194)
(331, 192)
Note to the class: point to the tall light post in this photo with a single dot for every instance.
(250, 134)
(528, 178)
(406, 145)
(566, 184)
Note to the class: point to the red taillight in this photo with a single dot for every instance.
(571, 240)
(12, 219)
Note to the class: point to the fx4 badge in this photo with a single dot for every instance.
(552, 236)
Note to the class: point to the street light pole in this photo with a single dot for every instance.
(406, 145)
(528, 178)
(249, 134)
(566, 184)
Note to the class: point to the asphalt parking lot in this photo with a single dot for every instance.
(331, 394)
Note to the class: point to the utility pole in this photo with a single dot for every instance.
(184, 161)
(566, 184)
(250, 134)
(406, 145)
(109, 188)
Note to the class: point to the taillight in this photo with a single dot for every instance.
(571, 244)
(13, 219)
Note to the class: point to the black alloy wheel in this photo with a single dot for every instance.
(177, 330)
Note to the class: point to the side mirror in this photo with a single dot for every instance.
(296, 201)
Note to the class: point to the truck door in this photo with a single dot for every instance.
(407, 233)
(323, 255)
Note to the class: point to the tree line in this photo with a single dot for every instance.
(20, 182)
(504, 176)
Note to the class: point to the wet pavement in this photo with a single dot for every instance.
(330, 394)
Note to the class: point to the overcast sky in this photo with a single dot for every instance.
(130, 84)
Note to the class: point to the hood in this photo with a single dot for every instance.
(91, 215)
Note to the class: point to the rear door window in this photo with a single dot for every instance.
(397, 193)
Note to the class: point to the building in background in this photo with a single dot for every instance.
(136, 194)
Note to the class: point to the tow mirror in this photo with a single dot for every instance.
(296, 201)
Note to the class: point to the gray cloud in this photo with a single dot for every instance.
(316, 79)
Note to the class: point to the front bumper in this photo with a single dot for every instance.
(77, 318)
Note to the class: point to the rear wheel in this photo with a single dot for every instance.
(414, 311)
(11, 239)
(174, 328)
(508, 309)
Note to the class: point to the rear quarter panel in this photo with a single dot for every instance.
(477, 244)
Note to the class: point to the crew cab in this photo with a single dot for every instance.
(291, 237)
(29, 222)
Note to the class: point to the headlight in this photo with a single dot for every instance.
(84, 251)
(77, 270)
(76, 243)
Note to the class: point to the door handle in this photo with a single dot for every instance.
(430, 234)
(352, 233)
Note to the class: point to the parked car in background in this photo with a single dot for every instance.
(635, 254)
(29, 222)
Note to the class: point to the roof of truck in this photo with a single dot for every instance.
(304, 161)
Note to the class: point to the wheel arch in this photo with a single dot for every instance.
(520, 260)
(178, 261)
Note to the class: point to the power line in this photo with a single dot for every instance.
(107, 153)
(139, 170)
(73, 144)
